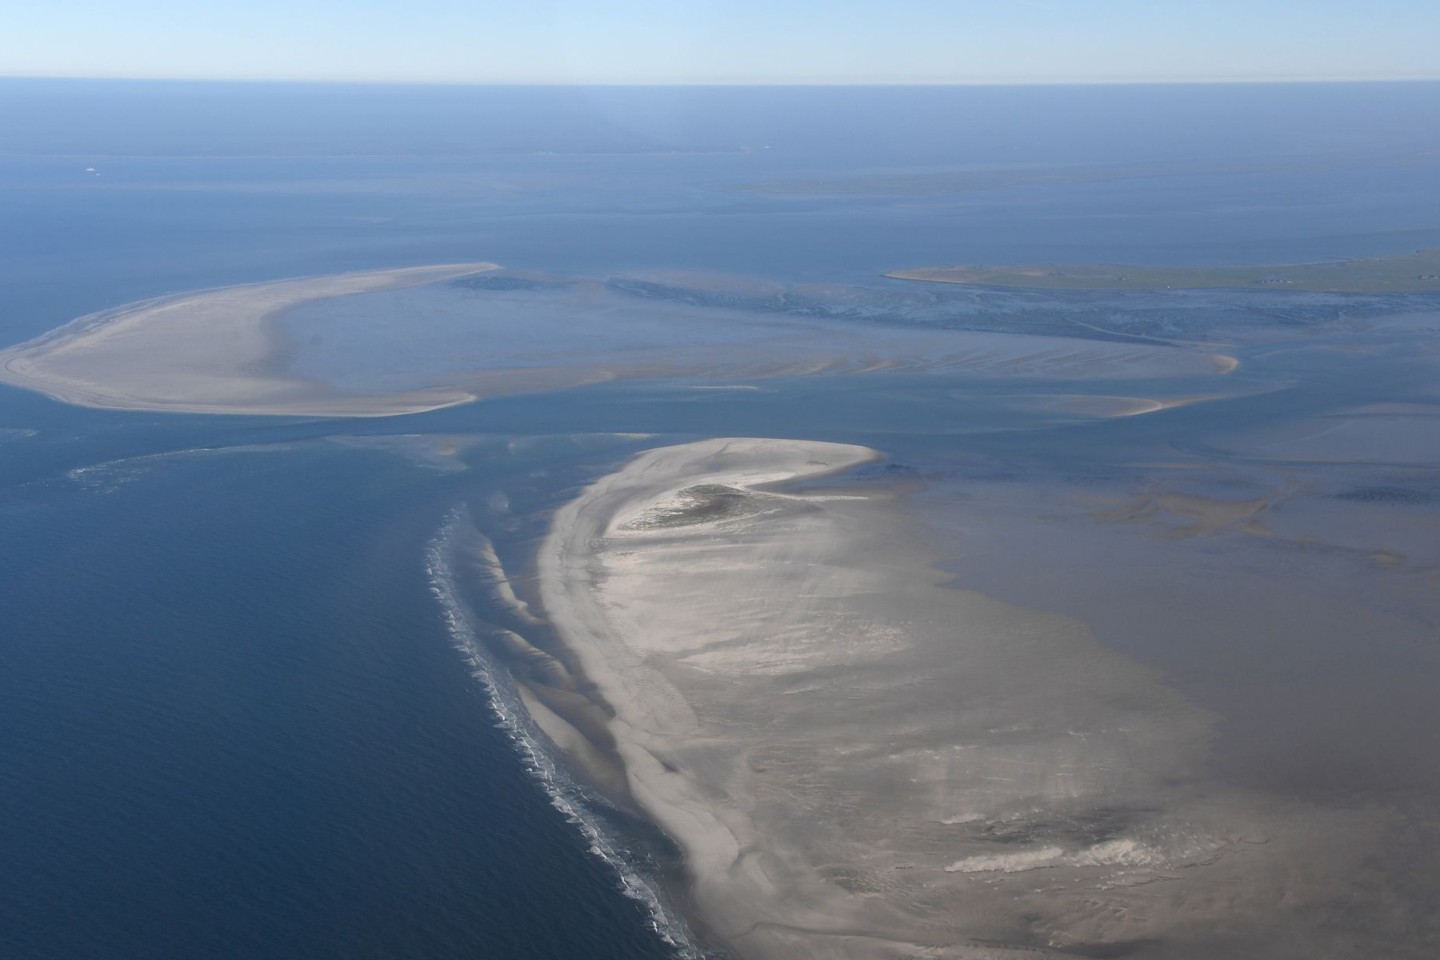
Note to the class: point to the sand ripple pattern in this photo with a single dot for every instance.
(860, 761)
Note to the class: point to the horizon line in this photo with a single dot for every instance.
(561, 84)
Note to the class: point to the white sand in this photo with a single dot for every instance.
(210, 352)
(861, 762)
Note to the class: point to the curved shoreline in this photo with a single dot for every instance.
(247, 350)
(649, 711)
(211, 351)
(859, 761)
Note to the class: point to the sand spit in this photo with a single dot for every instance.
(211, 351)
(400, 341)
(859, 761)
(1416, 272)
(1103, 405)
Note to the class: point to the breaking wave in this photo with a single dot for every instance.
(566, 794)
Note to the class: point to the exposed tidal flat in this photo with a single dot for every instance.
(407, 340)
(857, 759)
(235, 722)
(214, 351)
(1406, 273)
(898, 692)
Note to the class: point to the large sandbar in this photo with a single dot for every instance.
(861, 761)
(400, 341)
(214, 351)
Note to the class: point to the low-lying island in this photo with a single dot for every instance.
(859, 761)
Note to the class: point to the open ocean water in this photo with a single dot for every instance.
(237, 717)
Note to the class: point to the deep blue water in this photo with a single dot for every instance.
(232, 723)
(236, 729)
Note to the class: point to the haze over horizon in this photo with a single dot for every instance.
(664, 481)
(742, 42)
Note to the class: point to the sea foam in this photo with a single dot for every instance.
(537, 754)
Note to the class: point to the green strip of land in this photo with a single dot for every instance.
(1417, 272)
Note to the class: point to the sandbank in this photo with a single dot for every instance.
(1417, 272)
(1103, 405)
(211, 352)
(861, 761)
(403, 341)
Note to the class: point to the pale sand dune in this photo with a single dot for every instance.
(861, 762)
(210, 352)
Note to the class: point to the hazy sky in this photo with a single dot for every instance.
(735, 41)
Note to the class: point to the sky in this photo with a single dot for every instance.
(725, 41)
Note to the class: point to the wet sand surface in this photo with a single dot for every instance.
(1415, 272)
(1060, 625)
(859, 759)
(409, 340)
(210, 352)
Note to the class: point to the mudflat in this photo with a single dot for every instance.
(407, 340)
(1417, 272)
(861, 761)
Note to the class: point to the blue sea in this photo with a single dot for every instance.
(240, 714)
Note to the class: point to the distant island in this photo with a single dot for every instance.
(1417, 272)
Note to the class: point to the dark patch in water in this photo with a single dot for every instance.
(506, 281)
(1397, 495)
